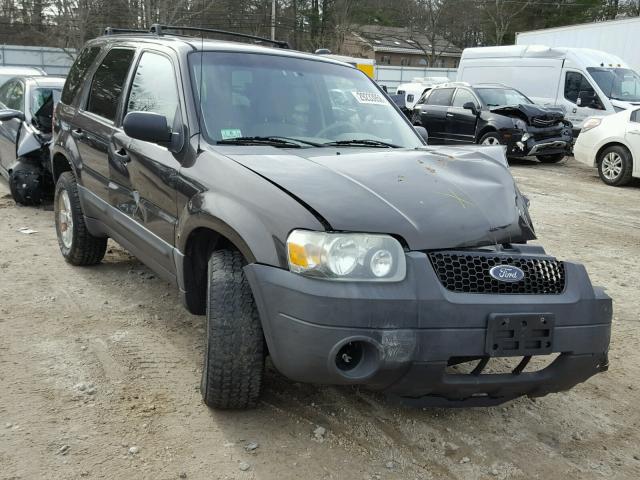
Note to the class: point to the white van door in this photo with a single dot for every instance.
(632, 136)
(572, 84)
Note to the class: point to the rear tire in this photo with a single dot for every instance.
(234, 353)
(77, 245)
(555, 158)
(615, 165)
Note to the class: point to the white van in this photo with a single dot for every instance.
(581, 81)
(413, 90)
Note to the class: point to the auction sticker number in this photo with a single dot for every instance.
(371, 98)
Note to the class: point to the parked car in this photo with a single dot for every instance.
(612, 145)
(7, 73)
(413, 90)
(580, 81)
(26, 106)
(347, 250)
(492, 114)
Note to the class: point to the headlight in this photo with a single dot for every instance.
(346, 256)
(519, 124)
(590, 123)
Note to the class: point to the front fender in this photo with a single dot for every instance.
(248, 232)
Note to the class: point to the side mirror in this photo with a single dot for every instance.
(148, 127)
(423, 133)
(470, 106)
(10, 114)
(588, 99)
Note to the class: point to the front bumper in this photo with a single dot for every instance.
(412, 330)
(540, 142)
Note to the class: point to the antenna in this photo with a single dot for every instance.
(201, 81)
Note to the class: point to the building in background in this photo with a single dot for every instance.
(397, 46)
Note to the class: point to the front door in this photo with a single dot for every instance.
(145, 173)
(632, 136)
(461, 123)
(94, 126)
(11, 96)
(574, 83)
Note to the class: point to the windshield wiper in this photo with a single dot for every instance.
(274, 141)
(359, 143)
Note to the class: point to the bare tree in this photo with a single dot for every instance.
(501, 14)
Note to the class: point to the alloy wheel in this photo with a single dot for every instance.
(611, 166)
(65, 219)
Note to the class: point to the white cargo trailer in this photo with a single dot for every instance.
(617, 37)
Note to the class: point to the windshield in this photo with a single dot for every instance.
(40, 95)
(500, 97)
(257, 95)
(617, 83)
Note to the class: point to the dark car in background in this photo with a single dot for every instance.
(458, 113)
(26, 107)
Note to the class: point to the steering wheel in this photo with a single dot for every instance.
(336, 126)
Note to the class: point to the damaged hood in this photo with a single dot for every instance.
(532, 114)
(432, 198)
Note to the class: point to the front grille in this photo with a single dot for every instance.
(544, 122)
(468, 272)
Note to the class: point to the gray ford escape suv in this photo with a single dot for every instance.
(325, 234)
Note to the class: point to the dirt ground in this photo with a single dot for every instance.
(100, 367)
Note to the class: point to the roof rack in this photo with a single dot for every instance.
(115, 31)
(159, 29)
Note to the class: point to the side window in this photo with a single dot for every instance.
(463, 96)
(154, 87)
(440, 96)
(12, 95)
(108, 83)
(574, 83)
(635, 116)
(77, 74)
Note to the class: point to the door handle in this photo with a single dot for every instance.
(449, 114)
(77, 133)
(122, 155)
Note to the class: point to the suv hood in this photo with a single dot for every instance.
(532, 114)
(432, 198)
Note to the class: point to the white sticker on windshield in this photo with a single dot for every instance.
(371, 98)
(228, 133)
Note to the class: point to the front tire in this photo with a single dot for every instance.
(555, 158)
(77, 245)
(27, 183)
(234, 353)
(490, 138)
(615, 166)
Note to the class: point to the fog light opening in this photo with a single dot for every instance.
(349, 356)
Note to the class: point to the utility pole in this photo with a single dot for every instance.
(273, 19)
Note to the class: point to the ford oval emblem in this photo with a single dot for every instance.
(507, 273)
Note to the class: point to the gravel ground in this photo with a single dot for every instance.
(99, 370)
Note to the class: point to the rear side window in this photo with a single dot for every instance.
(574, 83)
(154, 87)
(440, 96)
(77, 73)
(108, 83)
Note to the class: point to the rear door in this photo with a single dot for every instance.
(94, 126)
(144, 172)
(433, 114)
(12, 95)
(461, 123)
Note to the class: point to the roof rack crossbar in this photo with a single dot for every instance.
(159, 29)
(114, 31)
